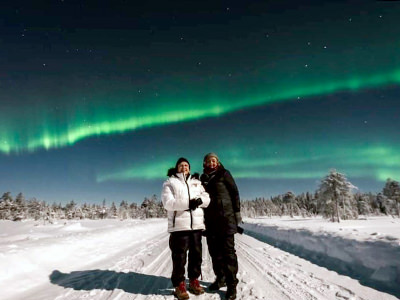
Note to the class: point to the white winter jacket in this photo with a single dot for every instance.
(175, 197)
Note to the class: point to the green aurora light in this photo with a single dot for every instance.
(378, 161)
(44, 134)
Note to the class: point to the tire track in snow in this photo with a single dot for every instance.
(272, 269)
(254, 274)
(142, 272)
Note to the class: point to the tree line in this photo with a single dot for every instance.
(19, 208)
(334, 199)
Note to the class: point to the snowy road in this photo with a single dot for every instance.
(133, 262)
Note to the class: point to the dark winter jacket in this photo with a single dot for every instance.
(225, 202)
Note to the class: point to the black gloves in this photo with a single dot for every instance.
(239, 220)
(195, 203)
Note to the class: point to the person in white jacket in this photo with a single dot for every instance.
(184, 198)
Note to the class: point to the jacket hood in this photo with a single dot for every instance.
(172, 172)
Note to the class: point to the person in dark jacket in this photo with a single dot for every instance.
(222, 217)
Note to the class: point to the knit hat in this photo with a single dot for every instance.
(211, 154)
(182, 159)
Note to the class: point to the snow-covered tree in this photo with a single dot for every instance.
(102, 211)
(57, 211)
(335, 197)
(20, 210)
(113, 211)
(310, 204)
(70, 209)
(134, 211)
(247, 209)
(6, 206)
(363, 204)
(386, 205)
(392, 192)
(20, 200)
(123, 210)
(289, 200)
(149, 207)
(33, 209)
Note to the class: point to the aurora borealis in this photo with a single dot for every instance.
(108, 124)
(98, 101)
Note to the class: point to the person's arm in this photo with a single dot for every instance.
(205, 197)
(201, 197)
(233, 191)
(170, 202)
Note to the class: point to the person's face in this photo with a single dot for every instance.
(212, 162)
(184, 168)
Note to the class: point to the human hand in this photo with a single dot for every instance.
(195, 203)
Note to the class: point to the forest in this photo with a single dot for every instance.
(335, 199)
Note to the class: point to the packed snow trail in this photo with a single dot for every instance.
(141, 271)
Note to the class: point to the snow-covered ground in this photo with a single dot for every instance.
(367, 249)
(112, 259)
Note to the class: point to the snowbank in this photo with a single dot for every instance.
(110, 259)
(368, 250)
(30, 251)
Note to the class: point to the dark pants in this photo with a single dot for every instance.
(223, 256)
(179, 243)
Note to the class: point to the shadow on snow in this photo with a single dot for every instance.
(131, 282)
(134, 283)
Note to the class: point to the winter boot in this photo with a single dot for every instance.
(194, 287)
(230, 293)
(180, 291)
(217, 284)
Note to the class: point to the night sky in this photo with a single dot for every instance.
(99, 98)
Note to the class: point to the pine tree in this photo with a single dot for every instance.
(123, 210)
(102, 212)
(70, 209)
(20, 210)
(36, 209)
(149, 207)
(113, 210)
(289, 199)
(6, 206)
(134, 211)
(311, 204)
(335, 197)
(392, 192)
(363, 204)
(56, 210)
(385, 204)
